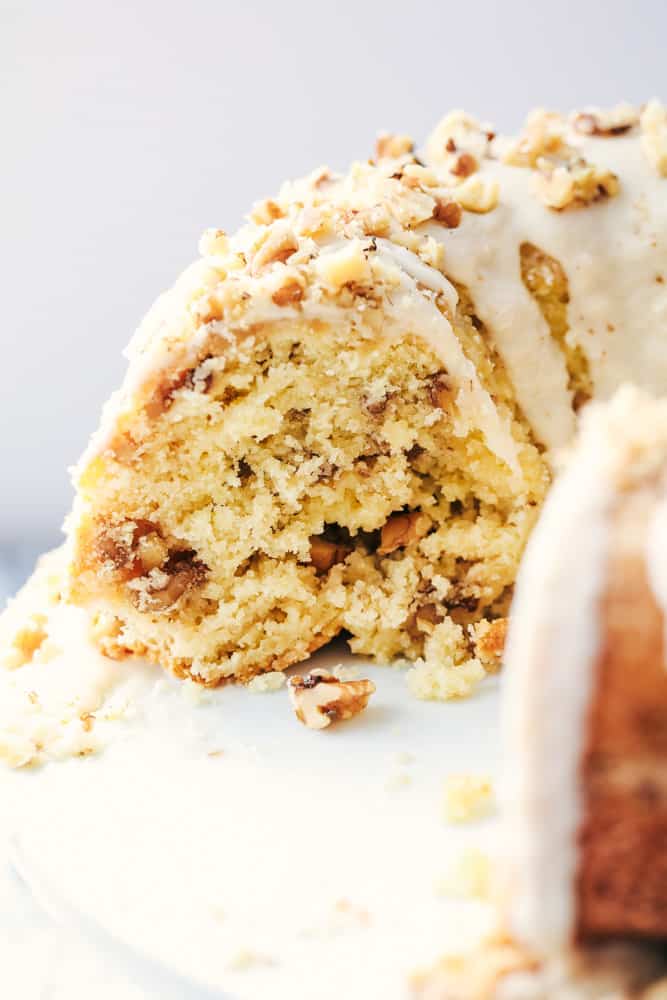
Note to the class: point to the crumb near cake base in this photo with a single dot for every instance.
(502, 969)
(60, 697)
(467, 797)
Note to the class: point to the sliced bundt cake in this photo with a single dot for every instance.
(340, 419)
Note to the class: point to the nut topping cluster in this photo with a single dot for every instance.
(574, 183)
(616, 121)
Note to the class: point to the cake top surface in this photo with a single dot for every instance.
(385, 244)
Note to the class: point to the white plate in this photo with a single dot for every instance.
(229, 843)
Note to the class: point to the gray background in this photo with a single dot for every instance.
(129, 127)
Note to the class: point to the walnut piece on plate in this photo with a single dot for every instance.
(320, 698)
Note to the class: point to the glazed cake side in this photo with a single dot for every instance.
(338, 419)
(587, 674)
(583, 901)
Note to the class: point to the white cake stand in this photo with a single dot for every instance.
(222, 849)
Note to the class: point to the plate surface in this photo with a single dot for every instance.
(229, 843)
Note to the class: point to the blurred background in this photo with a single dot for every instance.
(128, 127)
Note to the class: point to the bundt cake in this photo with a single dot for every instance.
(341, 419)
(585, 729)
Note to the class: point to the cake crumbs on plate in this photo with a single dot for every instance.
(344, 672)
(467, 797)
(430, 681)
(194, 693)
(246, 958)
(397, 780)
(470, 877)
(272, 680)
(342, 917)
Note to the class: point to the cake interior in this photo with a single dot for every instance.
(303, 480)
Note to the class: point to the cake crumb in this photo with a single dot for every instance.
(216, 911)
(342, 917)
(469, 878)
(396, 780)
(441, 681)
(476, 974)
(246, 958)
(26, 643)
(467, 797)
(273, 680)
(345, 673)
(489, 638)
(194, 693)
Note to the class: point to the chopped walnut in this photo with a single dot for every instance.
(418, 175)
(278, 246)
(465, 165)
(403, 529)
(319, 698)
(376, 221)
(542, 135)
(654, 135)
(213, 242)
(441, 391)
(478, 194)
(376, 405)
(448, 212)
(162, 588)
(573, 184)
(288, 294)
(346, 266)
(152, 551)
(265, 212)
(489, 639)
(616, 121)
(424, 620)
(325, 554)
(459, 143)
(313, 222)
(132, 548)
(388, 146)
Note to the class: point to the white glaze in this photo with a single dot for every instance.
(552, 646)
(612, 252)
